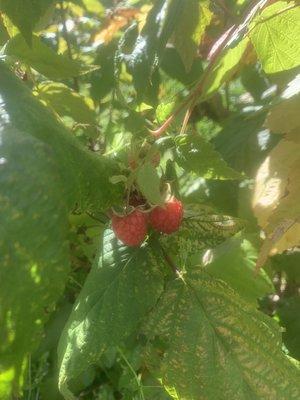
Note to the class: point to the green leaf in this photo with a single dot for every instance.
(43, 59)
(163, 110)
(275, 35)
(172, 64)
(34, 250)
(10, 28)
(153, 390)
(288, 264)
(239, 143)
(205, 342)
(122, 287)
(194, 19)
(67, 102)
(85, 176)
(225, 66)
(149, 46)
(197, 155)
(94, 6)
(288, 311)
(103, 79)
(25, 14)
(149, 183)
(234, 262)
(201, 228)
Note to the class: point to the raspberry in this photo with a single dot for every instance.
(167, 219)
(130, 229)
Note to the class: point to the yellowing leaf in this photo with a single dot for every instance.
(282, 238)
(276, 198)
(289, 239)
(284, 117)
(272, 180)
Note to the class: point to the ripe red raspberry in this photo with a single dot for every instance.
(130, 229)
(167, 219)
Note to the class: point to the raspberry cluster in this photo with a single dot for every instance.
(132, 229)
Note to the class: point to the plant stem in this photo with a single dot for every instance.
(140, 386)
(29, 378)
(190, 101)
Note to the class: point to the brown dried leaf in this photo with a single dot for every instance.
(116, 21)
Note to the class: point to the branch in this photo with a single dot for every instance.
(220, 46)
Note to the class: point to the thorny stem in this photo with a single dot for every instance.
(67, 39)
(191, 99)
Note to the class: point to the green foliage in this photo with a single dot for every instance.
(66, 102)
(207, 343)
(202, 228)
(106, 106)
(226, 65)
(149, 183)
(195, 154)
(238, 142)
(34, 230)
(84, 175)
(44, 60)
(33, 247)
(234, 262)
(191, 26)
(287, 311)
(98, 321)
(25, 14)
(149, 45)
(275, 34)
